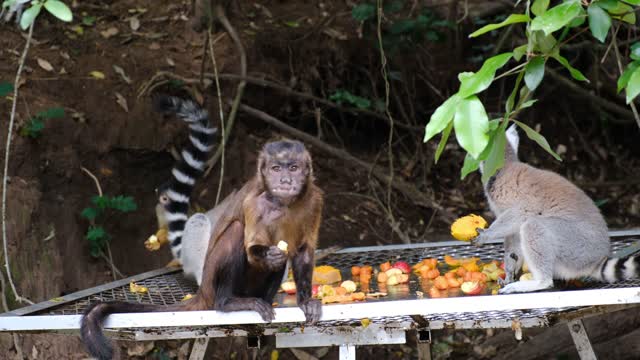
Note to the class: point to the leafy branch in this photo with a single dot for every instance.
(483, 139)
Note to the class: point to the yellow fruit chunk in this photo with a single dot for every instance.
(326, 274)
(349, 285)
(137, 289)
(464, 229)
(187, 297)
(156, 241)
(283, 246)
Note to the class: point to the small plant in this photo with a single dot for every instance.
(96, 235)
(344, 96)
(54, 7)
(5, 88)
(34, 126)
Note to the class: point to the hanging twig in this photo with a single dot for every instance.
(221, 113)
(12, 117)
(221, 16)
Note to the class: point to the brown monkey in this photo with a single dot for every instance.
(243, 265)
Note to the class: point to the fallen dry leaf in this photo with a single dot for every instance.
(97, 74)
(134, 23)
(123, 75)
(112, 31)
(122, 101)
(154, 46)
(44, 64)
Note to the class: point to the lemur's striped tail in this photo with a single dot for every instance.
(190, 166)
(618, 269)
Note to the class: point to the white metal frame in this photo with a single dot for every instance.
(201, 325)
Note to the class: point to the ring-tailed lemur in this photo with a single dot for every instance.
(549, 223)
(174, 196)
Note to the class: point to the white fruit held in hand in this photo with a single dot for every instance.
(283, 246)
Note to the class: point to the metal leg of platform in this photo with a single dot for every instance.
(199, 349)
(347, 352)
(581, 340)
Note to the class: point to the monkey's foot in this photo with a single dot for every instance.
(174, 263)
(526, 286)
(312, 310)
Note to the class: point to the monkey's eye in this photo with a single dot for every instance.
(164, 199)
(275, 168)
(293, 168)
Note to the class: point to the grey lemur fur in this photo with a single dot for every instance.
(550, 224)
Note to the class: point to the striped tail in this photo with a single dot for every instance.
(190, 166)
(618, 269)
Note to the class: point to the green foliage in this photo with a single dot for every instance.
(88, 20)
(34, 126)
(5, 88)
(398, 32)
(344, 96)
(55, 7)
(97, 236)
(546, 29)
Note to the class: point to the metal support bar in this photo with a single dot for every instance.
(347, 352)
(340, 335)
(199, 349)
(581, 340)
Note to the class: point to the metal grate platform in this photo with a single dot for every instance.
(402, 310)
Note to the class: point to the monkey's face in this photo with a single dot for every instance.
(285, 177)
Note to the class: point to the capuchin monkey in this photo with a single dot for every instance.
(243, 265)
(550, 224)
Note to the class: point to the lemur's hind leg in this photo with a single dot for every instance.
(195, 241)
(536, 240)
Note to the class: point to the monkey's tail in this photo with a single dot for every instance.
(618, 269)
(190, 166)
(93, 337)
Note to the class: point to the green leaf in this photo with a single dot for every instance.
(123, 203)
(90, 213)
(52, 113)
(534, 72)
(511, 19)
(465, 75)
(535, 136)
(622, 12)
(599, 22)
(528, 103)
(33, 128)
(292, 24)
(441, 117)
(544, 43)
(607, 4)
(88, 20)
(363, 12)
(470, 165)
(635, 51)
(443, 141)
(633, 86)
(5, 88)
(471, 123)
(482, 79)
(557, 17)
(29, 16)
(97, 238)
(392, 7)
(519, 52)
(102, 202)
(626, 75)
(495, 159)
(575, 73)
(539, 7)
(344, 96)
(59, 10)
(512, 97)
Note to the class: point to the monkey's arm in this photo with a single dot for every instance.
(228, 276)
(259, 213)
(507, 224)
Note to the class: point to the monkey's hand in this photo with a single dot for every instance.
(312, 309)
(269, 258)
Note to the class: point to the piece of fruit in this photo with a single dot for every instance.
(393, 271)
(526, 277)
(187, 297)
(461, 271)
(282, 245)
(471, 287)
(349, 285)
(385, 266)
(434, 293)
(464, 229)
(289, 287)
(314, 290)
(382, 277)
(433, 273)
(403, 278)
(471, 265)
(355, 271)
(525, 267)
(451, 261)
(326, 290)
(137, 289)
(424, 271)
(326, 274)
(365, 277)
(450, 275)
(453, 283)
(340, 290)
(393, 280)
(366, 269)
(403, 266)
(441, 283)
(358, 296)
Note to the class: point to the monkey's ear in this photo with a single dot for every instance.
(309, 161)
(261, 162)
